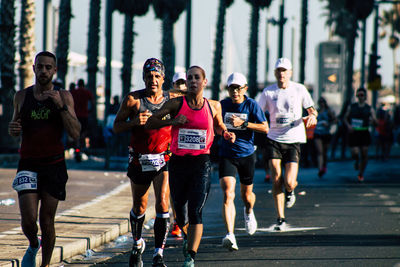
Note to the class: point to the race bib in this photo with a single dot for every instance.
(152, 162)
(192, 139)
(227, 120)
(284, 120)
(356, 123)
(25, 180)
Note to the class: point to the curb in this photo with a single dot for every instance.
(81, 228)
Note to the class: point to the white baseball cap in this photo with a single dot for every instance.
(283, 63)
(236, 78)
(179, 76)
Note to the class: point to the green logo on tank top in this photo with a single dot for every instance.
(40, 114)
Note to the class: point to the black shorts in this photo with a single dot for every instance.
(325, 138)
(51, 178)
(283, 151)
(244, 166)
(84, 121)
(138, 176)
(359, 139)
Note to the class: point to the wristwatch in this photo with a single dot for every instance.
(244, 125)
(63, 108)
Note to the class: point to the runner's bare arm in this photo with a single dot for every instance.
(128, 115)
(70, 121)
(219, 125)
(171, 107)
(312, 117)
(261, 127)
(14, 127)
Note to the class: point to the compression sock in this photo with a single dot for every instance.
(136, 225)
(161, 227)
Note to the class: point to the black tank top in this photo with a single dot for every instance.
(361, 113)
(42, 128)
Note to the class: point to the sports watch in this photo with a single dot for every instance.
(63, 108)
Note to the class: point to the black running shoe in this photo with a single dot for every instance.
(158, 261)
(280, 224)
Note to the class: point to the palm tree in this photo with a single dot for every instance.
(219, 46)
(26, 43)
(130, 9)
(253, 43)
(7, 55)
(168, 11)
(303, 40)
(65, 16)
(391, 20)
(344, 16)
(93, 51)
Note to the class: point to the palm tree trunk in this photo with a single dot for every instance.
(7, 65)
(253, 44)
(219, 47)
(93, 51)
(303, 41)
(63, 39)
(350, 42)
(26, 43)
(168, 49)
(127, 55)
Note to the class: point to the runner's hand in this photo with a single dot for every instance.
(143, 116)
(229, 136)
(15, 128)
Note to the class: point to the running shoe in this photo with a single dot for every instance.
(176, 231)
(250, 222)
(158, 261)
(280, 224)
(229, 242)
(290, 198)
(360, 178)
(185, 248)
(189, 262)
(135, 259)
(29, 259)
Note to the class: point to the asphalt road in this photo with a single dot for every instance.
(336, 221)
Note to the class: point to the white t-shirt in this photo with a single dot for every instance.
(285, 107)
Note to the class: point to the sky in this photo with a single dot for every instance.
(147, 42)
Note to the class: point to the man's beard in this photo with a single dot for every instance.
(44, 81)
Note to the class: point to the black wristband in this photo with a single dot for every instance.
(244, 125)
(63, 108)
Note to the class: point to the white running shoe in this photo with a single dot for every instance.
(229, 242)
(290, 199)
(250, 222)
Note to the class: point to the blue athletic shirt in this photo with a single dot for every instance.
(248, 110)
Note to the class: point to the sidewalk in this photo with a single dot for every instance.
(80, 228)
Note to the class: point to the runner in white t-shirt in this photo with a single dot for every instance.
(285, 101)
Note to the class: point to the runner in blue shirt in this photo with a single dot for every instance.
(243, 116)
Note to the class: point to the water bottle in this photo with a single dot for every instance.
(150, 224)
(7, 202)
